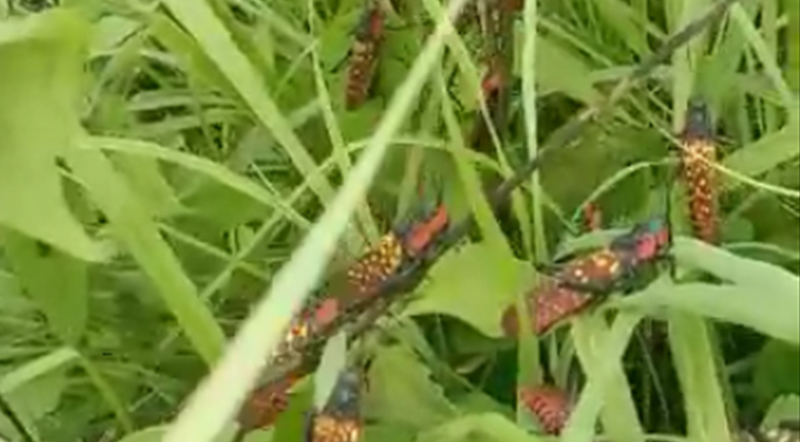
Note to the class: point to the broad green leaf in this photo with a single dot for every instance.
(792, 73)
(764, 155)
(777, 370)
(561, 70)
(156, 434)
(760, 276)
(772, 312)
(607, 394)
(690, 344)
(484, 427)
(388, 433)
(401, 391)
(35, 388)
(55, 280)
(784, 407)
(461, 286)
(154, 192)
(41, 56)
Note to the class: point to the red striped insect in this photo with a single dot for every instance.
(549, 404)
(405, 243)
(551, 304)
(585, 280)
(422, 234)
(306, 325)
(363, 61)
(613, 268)
(697, 154)
(340, 419)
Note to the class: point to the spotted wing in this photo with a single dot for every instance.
(597, 273)
(375, 266)
(554, 303)
(328, 428)
(698, 153)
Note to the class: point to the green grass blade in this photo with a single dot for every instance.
(141, 237)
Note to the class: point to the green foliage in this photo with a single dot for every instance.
(163, 165)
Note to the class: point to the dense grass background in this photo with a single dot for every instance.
(161, 162)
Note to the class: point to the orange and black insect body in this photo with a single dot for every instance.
(592, 217)
(585, 280)
(697, 154)
(340, 419)
(614, 268)
(549, 404)
(363, 61)
(406, 243)
(265, 404)
(549, 303)
(418, 236)
(375, 266)
(307, 326)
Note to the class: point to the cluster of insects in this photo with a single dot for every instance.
(570, 287)
(403, 245)
(566, 288)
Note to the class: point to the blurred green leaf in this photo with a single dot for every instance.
(57, 281)
(786, 407)
(764, 155)
(777, 371)
(739, 304)
(401, 391)
(461, 286)
(42, 57)
(485, 427)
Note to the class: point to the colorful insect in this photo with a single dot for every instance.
(697, 154)
(340, 419)
(613, 268)
(375, 266)
(549, 305)
(493, 88)
(363, 60)
(549, 404)
(420, 235)
(307, 325)
(404, 244)
(265, 404)
(592, 217)
(583, 281)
